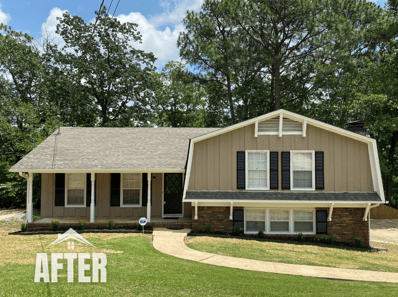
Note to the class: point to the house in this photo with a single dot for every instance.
(281, 172)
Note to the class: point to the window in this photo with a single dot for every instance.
(255, 220)
(257, 170)
(131, 189)
(302, 170)
(279, 220)
(303, 221)
(75, 190)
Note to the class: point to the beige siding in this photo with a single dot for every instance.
(347, 166)
(102, 209)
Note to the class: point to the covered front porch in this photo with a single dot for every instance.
(96, 198)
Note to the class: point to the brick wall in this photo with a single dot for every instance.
(218, 216)
(346, 224)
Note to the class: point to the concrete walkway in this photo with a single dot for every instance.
(171, 242)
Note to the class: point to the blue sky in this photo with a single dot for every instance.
(159, 21)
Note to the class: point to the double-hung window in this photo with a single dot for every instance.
(255, 220)
(257, 170)
(75, 190)
(302, 170)
(279, 220)
(131, 189)
(304, 221)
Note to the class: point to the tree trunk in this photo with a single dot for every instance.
(391, 162)
(277, 87)
(272, 103)
(231, 104)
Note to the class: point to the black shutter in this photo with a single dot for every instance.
(321, 222)
(273, 166)
(144, 189)
(319, 171)
(115, 189)
(240, 183)
(238, 218)
(88, 190)
(286, 170)
(60, 189)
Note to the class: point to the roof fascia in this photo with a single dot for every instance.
(99, 171)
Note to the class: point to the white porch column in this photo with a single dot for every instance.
(92, 206)
(148, 205)
(29, 195)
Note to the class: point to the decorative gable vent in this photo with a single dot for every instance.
(270, 126)
(290, 126)
(281, 126)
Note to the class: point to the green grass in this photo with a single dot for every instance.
(299, 253)
(136, 268)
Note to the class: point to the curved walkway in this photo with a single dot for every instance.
(171, 242)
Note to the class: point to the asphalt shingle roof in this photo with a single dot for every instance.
(282, 196)
(79, 148)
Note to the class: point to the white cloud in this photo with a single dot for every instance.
(174, 11)
(49, 27)
(163, 43)
(4, 17)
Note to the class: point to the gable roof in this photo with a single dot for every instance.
(111, 149)
(372, 145)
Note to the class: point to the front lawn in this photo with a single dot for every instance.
(299, 253)
(136, 268)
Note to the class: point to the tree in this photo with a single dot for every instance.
(286, 43)
(178, 102)
(26, 116)
(110, 77)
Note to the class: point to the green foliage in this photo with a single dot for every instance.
(110, 225)
(81, 225)
(329, 239)
(54, 225)
(139, 227)
(208, 228)
(261, 233)
(358, 242)
(23, 227)
(236, 230)
(300, 237)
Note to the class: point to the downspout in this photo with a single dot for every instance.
(372, 206)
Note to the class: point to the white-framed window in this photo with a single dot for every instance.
(255, 219)
(257, 170)
(131, 184)
(302, 170)
(304, 221)
(75, 190)
(279, 221)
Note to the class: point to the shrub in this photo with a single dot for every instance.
(139, 227)
(236, 230)
(300, 237)
(261, 233)
(329, 239)
(23, 227)
(358, 242)
(208, 228)
(81, 225)
(54, 225)
(110, 225)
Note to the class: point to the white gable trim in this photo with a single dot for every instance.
(372, 146)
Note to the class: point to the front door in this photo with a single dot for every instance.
(172, 194)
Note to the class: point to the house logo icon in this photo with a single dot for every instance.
(70, 235)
